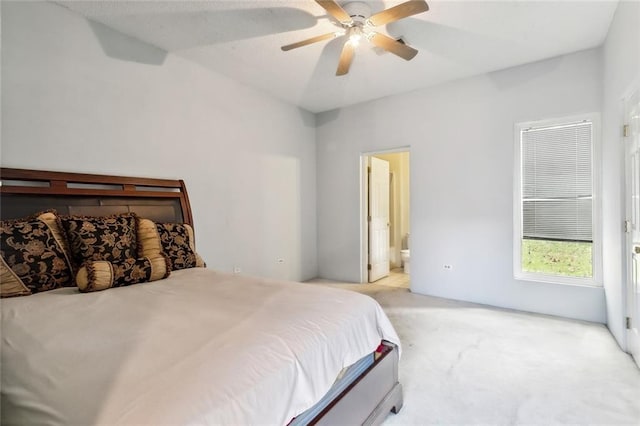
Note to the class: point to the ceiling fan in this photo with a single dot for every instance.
(356, 22)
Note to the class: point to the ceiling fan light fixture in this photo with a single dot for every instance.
(355, 35)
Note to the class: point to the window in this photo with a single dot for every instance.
(557, 231)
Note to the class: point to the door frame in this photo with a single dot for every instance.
(364, 196)
(627, 242)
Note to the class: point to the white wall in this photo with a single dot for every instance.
(621, 58)
(80, 97)
(461, 136)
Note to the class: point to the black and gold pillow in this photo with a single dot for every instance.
(33, 256)
(178, 243)
(110, 238)
(97, 275)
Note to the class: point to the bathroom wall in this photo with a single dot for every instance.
(405, 197)
(399, 206)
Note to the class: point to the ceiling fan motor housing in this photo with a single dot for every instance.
(358, 10)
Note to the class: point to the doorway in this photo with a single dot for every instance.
(385, 200)
(632, 197)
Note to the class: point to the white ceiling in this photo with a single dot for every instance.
(456, 39)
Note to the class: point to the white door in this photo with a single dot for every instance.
(632, 145)
(378, 219)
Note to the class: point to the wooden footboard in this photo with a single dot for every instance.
(370, 398)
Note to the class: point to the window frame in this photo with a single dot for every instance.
(596, 159)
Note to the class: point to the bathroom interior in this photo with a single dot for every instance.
(399, 219)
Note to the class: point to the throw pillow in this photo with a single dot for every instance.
(109, 238)
(97, 275)
(178, 243)
(33, 256)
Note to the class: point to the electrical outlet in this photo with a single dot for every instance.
(237, 269)
(280, 260)
(447, 267)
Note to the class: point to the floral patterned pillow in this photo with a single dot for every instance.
(33, 256)
(177, 241)
(110, 238)
(101, 274)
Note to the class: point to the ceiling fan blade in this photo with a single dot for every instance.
(411, 7)
(308, 41)
(393, 46)
(346, 57)
(335, 10)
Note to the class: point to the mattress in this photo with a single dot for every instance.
(200, 347)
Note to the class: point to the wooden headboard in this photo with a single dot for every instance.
(25, 192)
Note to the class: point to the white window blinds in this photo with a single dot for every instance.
(557, 184)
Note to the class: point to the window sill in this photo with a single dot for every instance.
(555, 279)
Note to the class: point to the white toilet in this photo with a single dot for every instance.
(405, 255)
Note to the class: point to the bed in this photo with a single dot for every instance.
(198, 347)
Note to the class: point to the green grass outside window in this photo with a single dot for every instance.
(571, 259)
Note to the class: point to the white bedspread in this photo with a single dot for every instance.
(200, 347)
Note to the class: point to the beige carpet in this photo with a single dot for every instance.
(473, 364)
